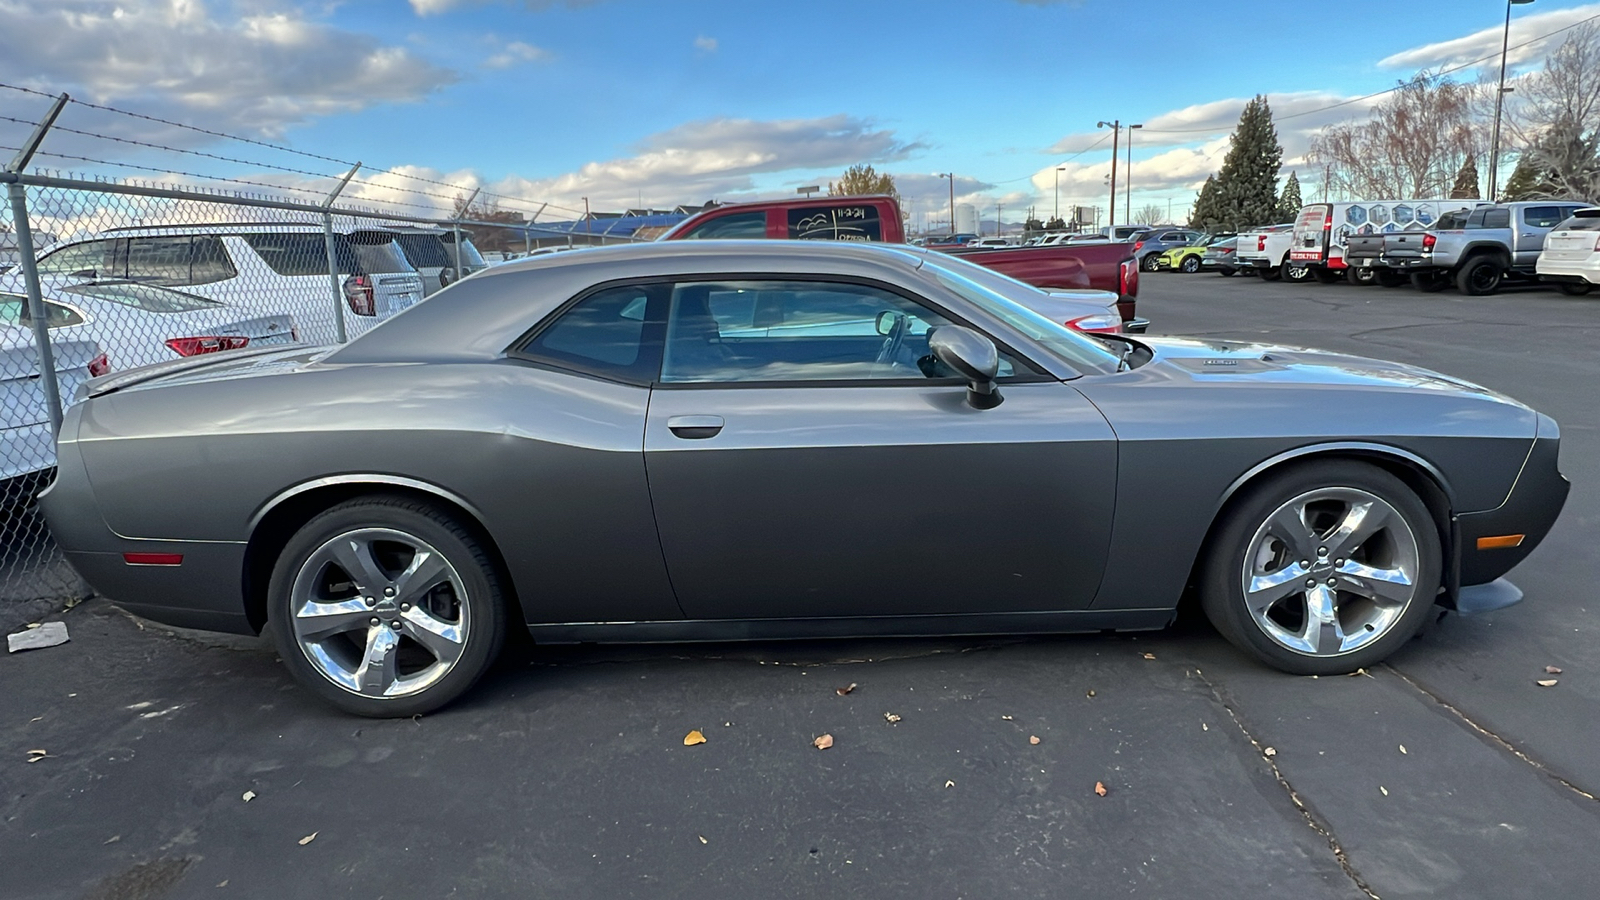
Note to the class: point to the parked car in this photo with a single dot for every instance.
(877, 218)
(993, 243)
(1480, 249)
(1149, 247)
(572, 446)
(137, 324)
(1124, 232)
(1086, 239)
(431, 251)
(1265, 251)
(1323, 229)
(1221, 256)
(27, 448)
(1189, 258)
(275, 267)
(1571, 256)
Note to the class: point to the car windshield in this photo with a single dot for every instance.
(999, 296)
(147, 297)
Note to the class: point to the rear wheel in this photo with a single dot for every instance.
(1480, 277)
(1227, 273)
(1273, 274)
(1390, 278)
(1324, 569)
(1428, 281)
(1325, 275)
(1573, 290)
(1297, 274)
(1189, 266)
(1362, 277)
(385, 606)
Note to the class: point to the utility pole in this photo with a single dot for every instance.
(952, 177)
(1499, 102)
(1127, 180)
(1058, 190)
(1116, 134)
(997, 208)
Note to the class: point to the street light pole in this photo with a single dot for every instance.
(952, 177)
(1499, 103)
(1127, 180)
(1116, 134)
(1059, 170)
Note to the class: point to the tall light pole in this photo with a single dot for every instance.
(1127, 180)
(952, 177)
(1499, 103)
(1116, 134)
(1059, 170)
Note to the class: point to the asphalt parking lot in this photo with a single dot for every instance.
(1448, 773)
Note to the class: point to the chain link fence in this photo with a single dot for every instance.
(113, 275)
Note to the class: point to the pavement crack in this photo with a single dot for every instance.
(1494, 738)
(1320, 827)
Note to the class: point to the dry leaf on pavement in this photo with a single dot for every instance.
(249, 795)
(1006, 718)
(36, 755)
(1269, 753)
(891, 718)
(949, 784)
(702, 838)
(823, 742)
(1543, 682)
(1403, 748)
(1100, 788)
(845, 690)
(1384, 789)
(1149, 656)
(1552, 670)
(693, 737)
(1033, 739)
(309, 838)
(1090, 694)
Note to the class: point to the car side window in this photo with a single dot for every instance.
(737, 225)
(159, 260)
(613, 333)
(14, 311)
(856, 222)
(104, 259)
(208, 260)
(1497, 218)
(798, 331)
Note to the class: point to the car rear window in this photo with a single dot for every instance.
(853, 222)
(1583, 220)
(470, 257)
(302, 253)
(425, 251)
(738, 225)
(381, 259)
(147, 297)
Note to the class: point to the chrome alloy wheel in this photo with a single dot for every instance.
(1331, 571)
(380, 612)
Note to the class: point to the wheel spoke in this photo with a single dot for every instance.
(354, 555)
(1289, 525)
(1266, 590)
(315, 621)
(1388, 587)
(425, 572)
(1361, 521)
(378, 672)
(1322, 626)
(443, 639)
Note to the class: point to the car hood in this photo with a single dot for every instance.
(1260, 363)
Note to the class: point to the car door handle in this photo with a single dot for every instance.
(694, 428)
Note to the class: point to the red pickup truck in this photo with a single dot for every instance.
(1105, 266)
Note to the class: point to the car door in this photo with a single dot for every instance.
(807, 458)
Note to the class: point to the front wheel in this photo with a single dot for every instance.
(1324, 569)
(1151, 263)
(1427, 281)
(1480, 277)
(1574, 290)
(386, 606)
(1189, 266)
(1297, 274)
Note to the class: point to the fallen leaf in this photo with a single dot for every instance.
(823, 742)
(1384, 789)
(846, 689)
(36, 755)
(891, 718)
(1149, 656)
(1269, 753)
(693, 737)
(949, 784)
(702, 838)
(1090, 694)
(1204, 727)
(1360, 672)
(1543, 682)
(1100, 788)
(1552, 670)
(1006, 718)
(1403, 748)
(249, 795)
(1033, 739)
(309, 838)
(223, 883)
(113, 839)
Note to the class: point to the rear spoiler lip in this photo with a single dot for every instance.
(116, 381)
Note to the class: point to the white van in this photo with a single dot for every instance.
(1323, 229)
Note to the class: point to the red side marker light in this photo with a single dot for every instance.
(153, 559)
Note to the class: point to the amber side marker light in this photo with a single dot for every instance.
(153, 559)
(1500, 541)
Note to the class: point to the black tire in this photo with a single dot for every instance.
(1227, 273)
(1480, 276)
(1428, 281)
(1151, 262)
(1573, 290)
(484, 606)
(1361, 277)
(1189, 266)
(1222, 592)
(1298, 274)
(1389, 278)
(1273, 274)
(1324, 275)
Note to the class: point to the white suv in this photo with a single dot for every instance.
(1571, 255)
(273, 267)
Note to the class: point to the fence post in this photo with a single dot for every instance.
(333, 259)
(455, 226)
(30, 265)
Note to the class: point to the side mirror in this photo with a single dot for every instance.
(885, 322)
(973, 357)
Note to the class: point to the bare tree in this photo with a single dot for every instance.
(1412, 144)
(1556, 121)
(1150, 214)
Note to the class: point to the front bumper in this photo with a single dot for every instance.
(1530, 511)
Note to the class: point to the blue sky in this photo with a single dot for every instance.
(621, 100)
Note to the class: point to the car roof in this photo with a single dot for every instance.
(341, 225)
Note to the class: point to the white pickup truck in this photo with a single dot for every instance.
(1265, 251)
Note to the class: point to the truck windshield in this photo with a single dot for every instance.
(997, 295)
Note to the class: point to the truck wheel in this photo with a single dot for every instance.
(1573, 290)
(1226, 273)
(1389, 278)
(1427, 281)
(1273, 274)
(1480, 277)
(1297, 274)
(1325, 275)
(1362, 277)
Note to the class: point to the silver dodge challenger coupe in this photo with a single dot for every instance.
(754, 440)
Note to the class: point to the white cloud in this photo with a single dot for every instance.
(1486, 43)
(435, 7)
(514, 54)
(258, 72)
(705, 44)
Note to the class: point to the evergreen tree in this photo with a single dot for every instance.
(1524, 182)
(1289, 204)
(1247, 186)
(1056, 224)
(1466, 186)
(1206, 213)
